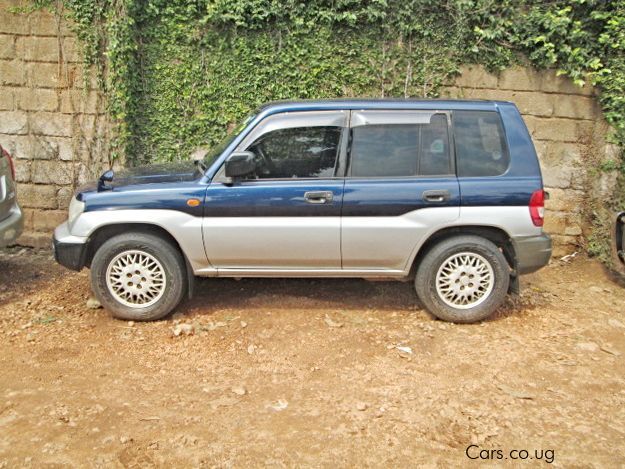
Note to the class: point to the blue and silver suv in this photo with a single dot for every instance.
(446, 192)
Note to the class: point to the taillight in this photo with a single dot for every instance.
(537, 207)
(10, 160)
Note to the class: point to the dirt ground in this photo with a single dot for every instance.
(310, 373)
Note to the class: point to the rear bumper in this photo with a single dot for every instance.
(532, 253)
(69, 251)
(11, 227)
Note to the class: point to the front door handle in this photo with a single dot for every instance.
(436, 196)
(319, 197)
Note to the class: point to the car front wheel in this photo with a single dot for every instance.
(463, 279)
(138, 276)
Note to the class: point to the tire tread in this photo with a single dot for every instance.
(426, 273)
(170, 257)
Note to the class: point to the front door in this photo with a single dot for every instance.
(286, 216)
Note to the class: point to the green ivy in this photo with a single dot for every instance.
(206, 65)
(177, 72)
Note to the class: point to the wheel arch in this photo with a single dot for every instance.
(105, 232)
(496, 235)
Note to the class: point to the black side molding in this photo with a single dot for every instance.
(70, 255)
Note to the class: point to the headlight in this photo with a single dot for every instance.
(76, 207)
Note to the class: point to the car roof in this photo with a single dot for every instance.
(379, 103)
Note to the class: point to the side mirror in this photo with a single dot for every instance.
(240, 163)
(107, 176)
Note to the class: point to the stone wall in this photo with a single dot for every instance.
(51, 120)
(568, 130)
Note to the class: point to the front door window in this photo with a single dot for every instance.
(301, 152)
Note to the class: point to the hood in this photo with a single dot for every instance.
(179, 171)
(156, 173)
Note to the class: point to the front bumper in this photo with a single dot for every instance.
(69, 251)
(532, 253)
(11, 227)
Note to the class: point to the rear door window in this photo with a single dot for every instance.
(396, 144)
(480, 144)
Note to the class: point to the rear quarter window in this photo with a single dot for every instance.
(480, 144)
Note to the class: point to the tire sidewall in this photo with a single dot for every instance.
(166, 254)
(425, 281)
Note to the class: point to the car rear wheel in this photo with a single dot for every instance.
(138, 276)
(463, 279)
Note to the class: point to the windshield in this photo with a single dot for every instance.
(218, 149)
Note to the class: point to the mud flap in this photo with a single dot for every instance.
(515, 285)
(190, 279)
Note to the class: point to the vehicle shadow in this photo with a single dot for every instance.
(315, 294)
(258, 294)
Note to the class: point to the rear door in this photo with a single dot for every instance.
(287, 216)
(400, 186)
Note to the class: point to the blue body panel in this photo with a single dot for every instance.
(395, 196)
(282, 198)
(163, 187)
(500, 191)
(162, 196)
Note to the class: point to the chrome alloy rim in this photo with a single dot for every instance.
(465, 280)
(136, 279)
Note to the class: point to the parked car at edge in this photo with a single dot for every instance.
(11, 221)
(619, 236)
(449, 193)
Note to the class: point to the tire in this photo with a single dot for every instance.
(445, 286)
(153, 273)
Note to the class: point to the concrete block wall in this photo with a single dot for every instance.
(51, 120)
(567, 128)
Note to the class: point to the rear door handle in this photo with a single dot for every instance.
(436, 196)
(319, 197)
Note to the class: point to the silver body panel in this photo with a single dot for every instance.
(11, 218)
(64, 234)
(387, 242)
(273, 242)
(7, 188)
(184, 228)
(11, 226)
(371, 246)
